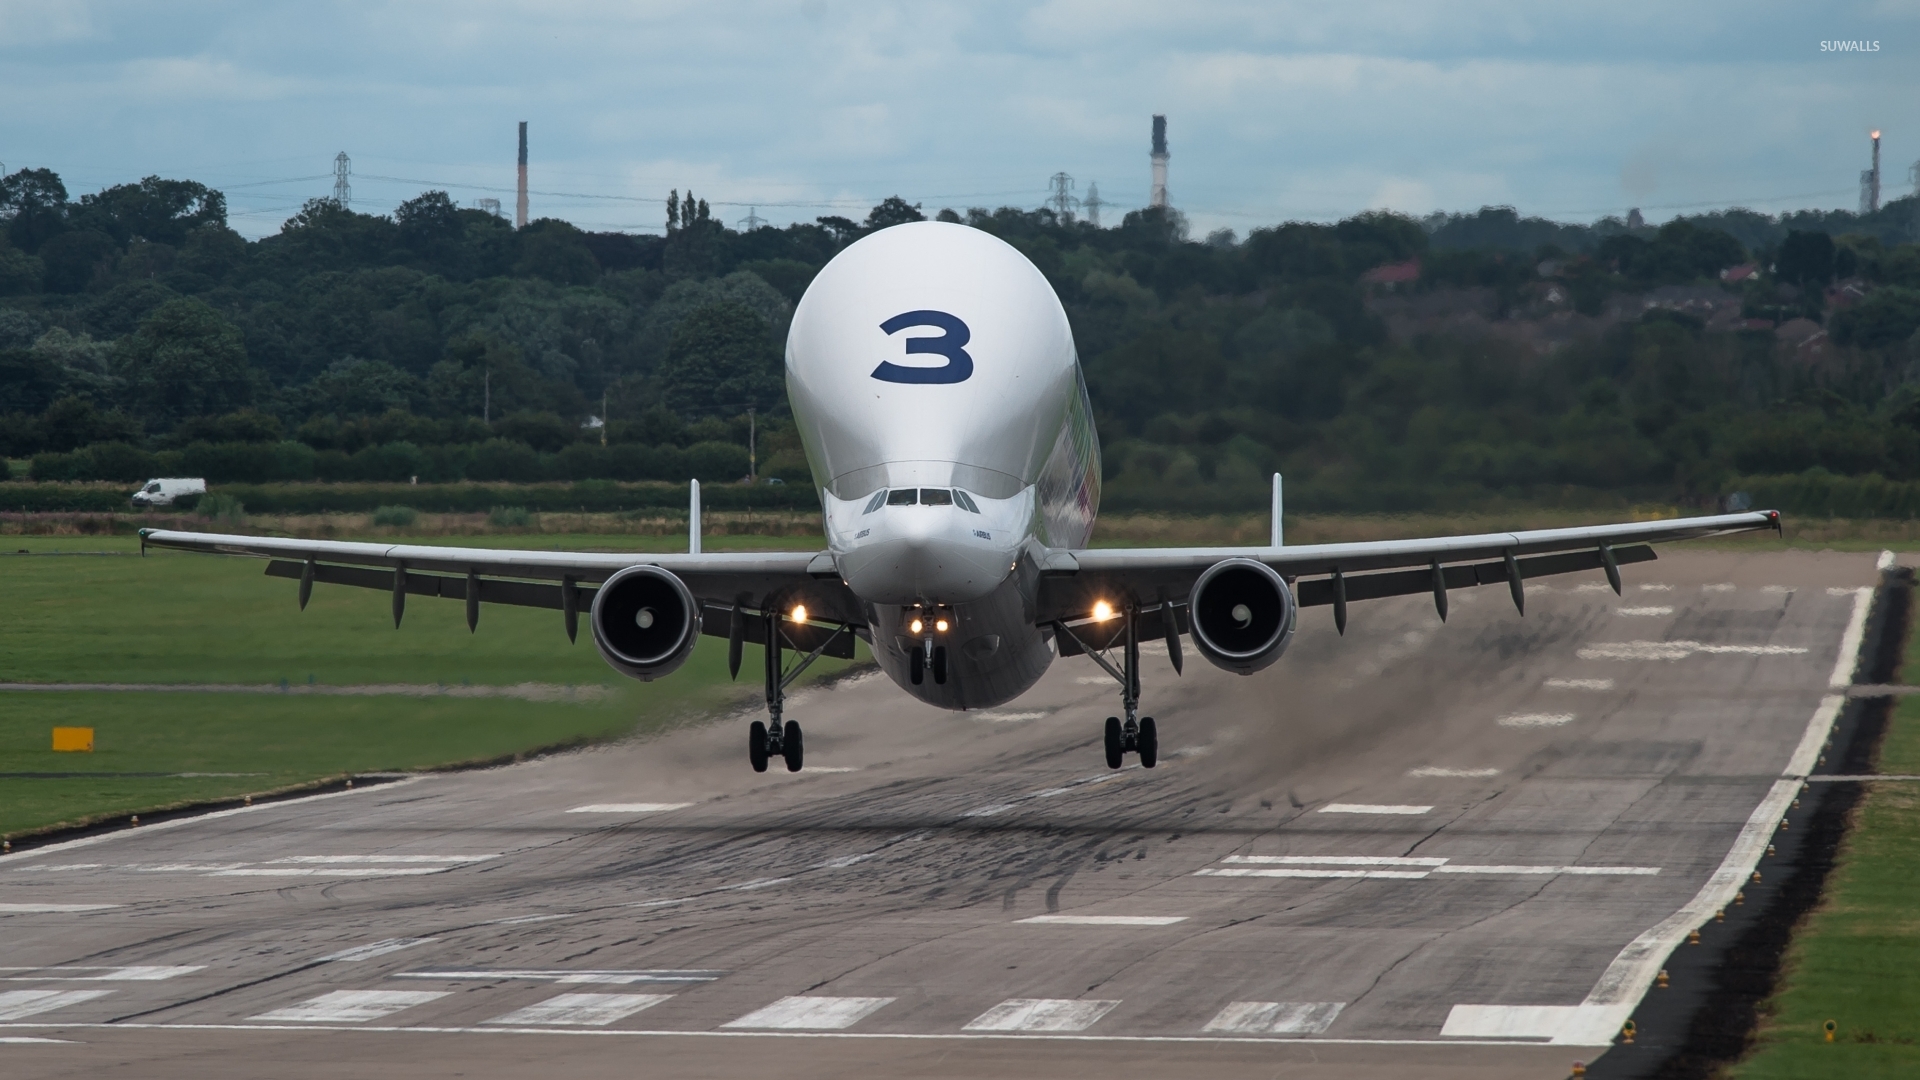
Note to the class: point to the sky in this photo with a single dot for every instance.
(1277, 110)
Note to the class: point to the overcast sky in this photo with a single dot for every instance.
(1277, 110)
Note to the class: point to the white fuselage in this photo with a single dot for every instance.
(936, 389)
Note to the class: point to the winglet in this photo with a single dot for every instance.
(1279, 538)
(693, 519)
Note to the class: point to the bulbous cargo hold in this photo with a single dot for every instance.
(645, 622)
(1242, 615)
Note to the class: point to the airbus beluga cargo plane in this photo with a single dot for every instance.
(934, 382)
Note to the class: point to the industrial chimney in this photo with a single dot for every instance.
(1870, 181)
(520, 203)
(1159, 197)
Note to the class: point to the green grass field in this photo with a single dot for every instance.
(180, 618)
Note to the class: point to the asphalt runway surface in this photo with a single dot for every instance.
(1420, 849)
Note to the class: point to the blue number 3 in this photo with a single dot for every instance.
(959, 366)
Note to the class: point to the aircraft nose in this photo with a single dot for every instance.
(927, 558)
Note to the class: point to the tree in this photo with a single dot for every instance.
(354, 387)
(184, 360)
(721, 358)
(1805, 259)
(158, 211)
(72, 258)
(33, 202)
(893, 210)
(552, 249)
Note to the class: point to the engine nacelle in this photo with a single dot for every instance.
(1242, 614)
(645, 622)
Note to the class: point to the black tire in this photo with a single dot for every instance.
(940, 664)
(917, 666)
(790, 747)
(757, 745)
(1149, 743)
(1115, 742)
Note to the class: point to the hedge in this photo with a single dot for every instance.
(599, 496)
(1818, 493)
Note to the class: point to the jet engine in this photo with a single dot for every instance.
(1242, 615)
(645, 622)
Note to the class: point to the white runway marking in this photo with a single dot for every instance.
(586, 1010)
(1655, 588)
(135, 973)
(1094, 680)
(1528, 720)
(1649, 612)
(181, 868)
(51, 909)
(373, 949)
(1848, 660)
(1041, 1014)
(332, 871)
(1592, 871)
(631, 807)
(1579, 684)
(811, 1013)
(351, 1006)
(386, 860)
(1008, 717)
(20, 1004)
(1508, 1021)
(1838, 591)
(566, 977)
(1103, 920)
(1337, 860)
(841, 862)
(1373, 808)
(25, 1039)
(1440, 772)
(993, 810)
(1410, 875)
(1721, 586)
(1778, 590)
(1276, 1017)
(830, 769)
(1678, 650)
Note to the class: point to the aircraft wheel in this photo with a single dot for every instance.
(1149, 743)
(790, 747)
(757, 745)
(917, 667)
(940, 664)
(1115, 742)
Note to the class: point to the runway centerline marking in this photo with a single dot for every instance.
(1100, 920)
(1441, 772)
(331, 871)
(1647, 612)
(20, 1004)
(1534, 720)
(52, 909)
(351, 1006)
(1374, 808)
(385, 860)
(1337, 860)
(590, 1010)
(1299, 872)
(1276, 1017)
(1041, 1014)
(808, 1013)
(373, 949)
(629, 808)
(131, 973)
(1678, 650)
(1579, 684)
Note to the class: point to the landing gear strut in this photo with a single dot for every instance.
(777, 737)
(1135, 733)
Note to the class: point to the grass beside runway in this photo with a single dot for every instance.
(180, 618)
(1854, 960)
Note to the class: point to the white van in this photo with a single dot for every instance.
(164, 491)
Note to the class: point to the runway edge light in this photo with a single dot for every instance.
(73, 739)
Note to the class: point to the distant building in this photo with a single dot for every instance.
(1393, 275)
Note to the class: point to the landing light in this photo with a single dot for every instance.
(1102, 611)
(799, 613)
(914, 626)
(940, 625)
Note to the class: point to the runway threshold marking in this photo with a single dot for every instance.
(564, 976)
(1536, 720)
(373, 949)
(1440, 772)
(629, 808)
(52, 909)
(1374, 808)
(1678, 650)
(1041, 1014)
(1101, 920)
(1645, 612)
(351, 1006)
(132, 973)
(20, 1004)
(1276, 1017)
(590, 1010)
(810, 1013)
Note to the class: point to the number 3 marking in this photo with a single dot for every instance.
(959, 366)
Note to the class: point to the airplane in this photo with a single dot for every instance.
(936, 389)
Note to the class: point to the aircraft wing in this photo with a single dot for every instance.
(1073, 581)
(561, 580)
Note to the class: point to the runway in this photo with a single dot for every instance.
(1461, 849)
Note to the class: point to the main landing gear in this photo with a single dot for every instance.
(776, 738)
(1135, 734)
